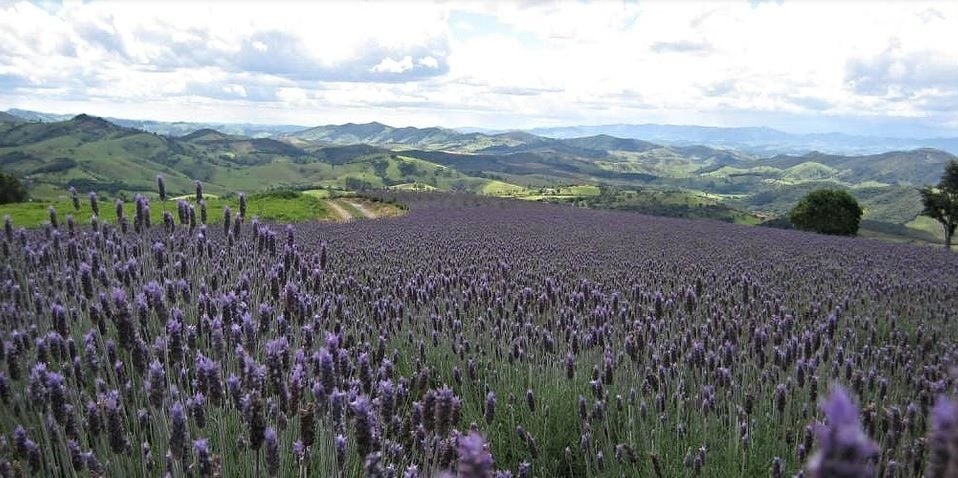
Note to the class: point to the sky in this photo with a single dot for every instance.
(873, 68)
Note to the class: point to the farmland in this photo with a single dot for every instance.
(470, 335)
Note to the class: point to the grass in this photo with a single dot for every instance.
(285, 207)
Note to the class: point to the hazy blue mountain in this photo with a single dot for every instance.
(37, 115)
(758, 141)
(177, 128)
(9, 118)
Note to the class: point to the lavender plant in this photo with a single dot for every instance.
(473, 337)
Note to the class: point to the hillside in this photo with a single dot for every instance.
(95, 154)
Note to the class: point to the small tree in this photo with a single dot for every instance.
(11, 190)
(827, 211)
(941, 203)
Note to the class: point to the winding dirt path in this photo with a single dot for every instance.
(366, 212)
(339, 210)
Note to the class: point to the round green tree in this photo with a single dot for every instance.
(11, 189)
(827, 211)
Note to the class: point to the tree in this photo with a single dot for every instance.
(827, 211)
(11, 190)
(941, 203)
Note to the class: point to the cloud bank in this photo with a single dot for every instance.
(876, 68)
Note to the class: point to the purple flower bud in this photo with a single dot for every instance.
(161, 187)
(76, 456)
(155, 384)
(114, 421)
(272, 452)
(94, 204)
(365, 423)
(242, 205)
(340, 451)
(203, 457)
(252, 407)
(490, 411)
(75, 198)
(33, 455)
(943, 440)
(475, 461)
(177, 431)
(844, 449)
(227, 214)
(195, 405)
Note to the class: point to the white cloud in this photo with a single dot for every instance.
(428, 62)
(498, 64)
(388, 65)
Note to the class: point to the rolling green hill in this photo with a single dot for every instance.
(91, 153)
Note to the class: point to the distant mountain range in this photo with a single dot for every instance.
(98, 154)
(758, 141)
(755, 141)
(178, 128)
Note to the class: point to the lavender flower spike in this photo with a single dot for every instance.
(845, 450)
(475, 461)
(943, 440)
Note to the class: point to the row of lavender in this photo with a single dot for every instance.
(560, 342)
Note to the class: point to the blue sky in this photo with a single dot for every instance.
(858, 67)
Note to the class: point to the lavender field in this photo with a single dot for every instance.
(474, 337)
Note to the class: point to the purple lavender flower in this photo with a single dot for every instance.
(252, 406)
(272, 452)
(943, 440)
(177, 431)
(844, 449)
(340, 443)
(365, 424)
(94, 204)
(76, 456)
(475, 461)
(195, 406)
(114, 421)
(74, 198)
(203, 458)
(53, 217)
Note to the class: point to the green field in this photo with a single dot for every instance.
(280, 207)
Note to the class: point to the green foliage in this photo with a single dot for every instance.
(827, 211)
(11, 190)
(941, 203)
(680, 204)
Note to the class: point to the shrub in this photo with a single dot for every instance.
(827, 211)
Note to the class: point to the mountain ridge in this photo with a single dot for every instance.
(756, 140)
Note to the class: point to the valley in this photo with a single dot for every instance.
(603, 171)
